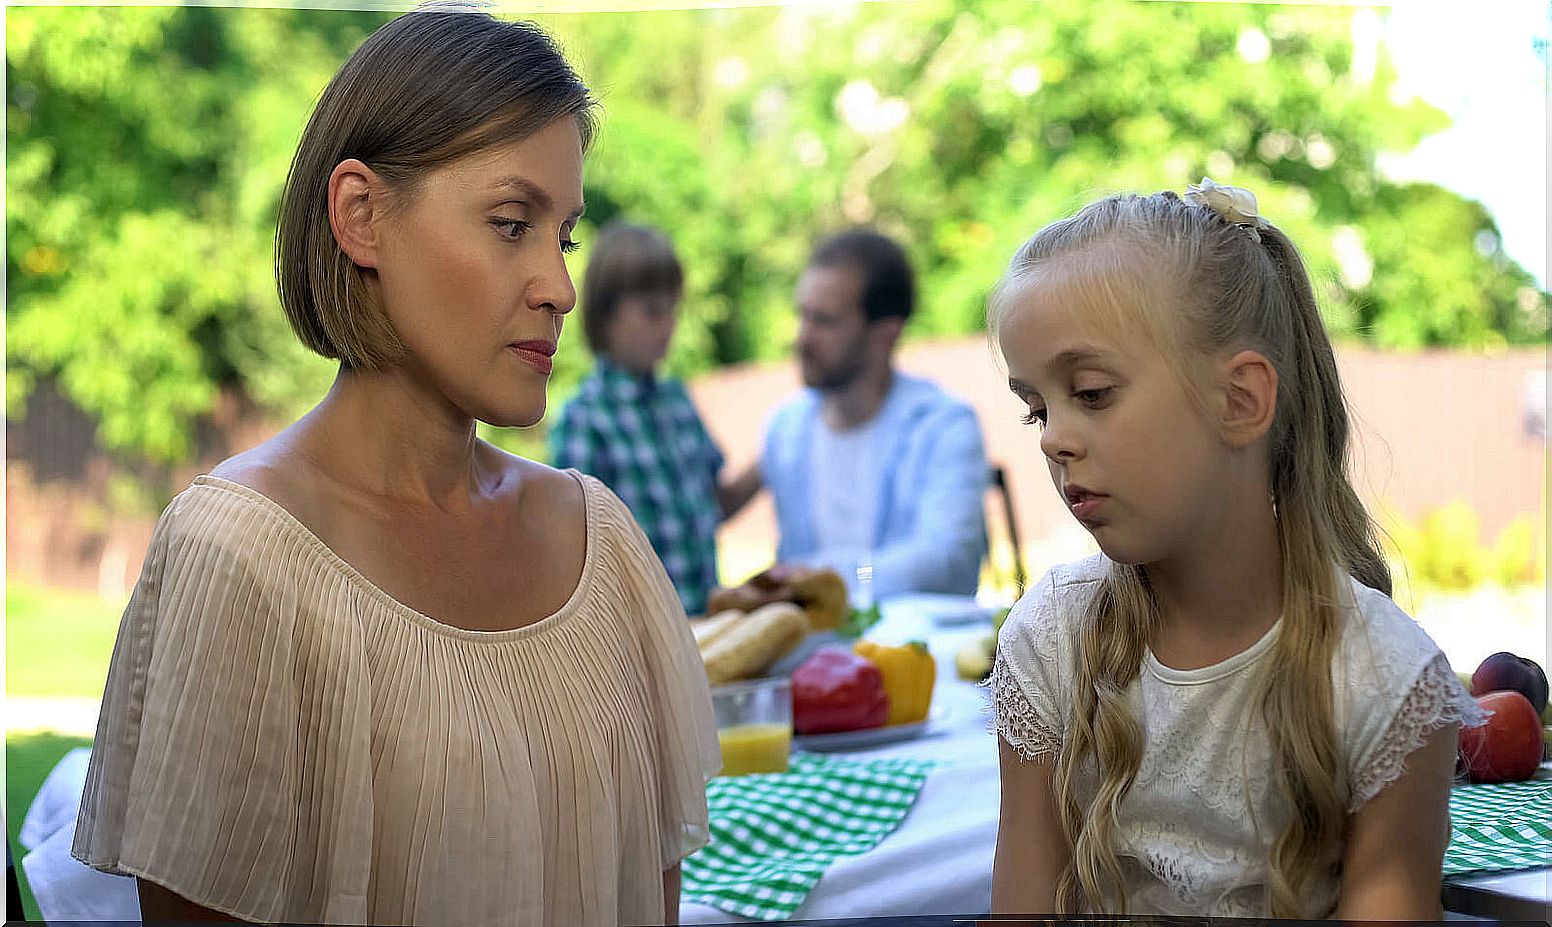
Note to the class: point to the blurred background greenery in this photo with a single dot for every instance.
(146, 148)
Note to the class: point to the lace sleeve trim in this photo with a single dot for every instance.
(1014, 718)
(1437, 699)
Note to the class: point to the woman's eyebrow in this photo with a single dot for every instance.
(540, 198)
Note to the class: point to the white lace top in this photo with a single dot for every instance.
(1197, 826)
(283, 741)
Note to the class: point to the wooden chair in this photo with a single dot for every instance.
(999, 482)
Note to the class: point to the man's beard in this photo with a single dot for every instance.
(843, 373)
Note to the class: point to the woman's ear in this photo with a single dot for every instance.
(355, 207)
(1249, 397)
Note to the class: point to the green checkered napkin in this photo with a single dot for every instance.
(774, 835)
(1502, 826)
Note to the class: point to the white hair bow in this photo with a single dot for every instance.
(1235, 204)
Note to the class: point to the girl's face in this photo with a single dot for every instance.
(1136, 460)
(641, 329)
(473, 277)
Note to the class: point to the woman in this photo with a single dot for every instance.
(376, 670)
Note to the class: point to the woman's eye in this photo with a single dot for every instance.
(1092, 397)
(511, 228)
(1034, 417)
(567, 246)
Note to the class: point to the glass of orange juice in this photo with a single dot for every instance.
(754, 725)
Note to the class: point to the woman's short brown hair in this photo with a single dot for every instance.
(426, 89)
(625, 260)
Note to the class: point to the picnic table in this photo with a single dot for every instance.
(937, 861)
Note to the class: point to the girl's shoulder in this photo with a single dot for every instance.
(1053, 606)
(1033, 675)
(1379, 640)
(1391, 685)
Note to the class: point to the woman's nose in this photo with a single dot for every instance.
(551, 289)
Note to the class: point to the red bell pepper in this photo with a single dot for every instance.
(837, 690)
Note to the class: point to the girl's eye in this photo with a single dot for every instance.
(567, 246)
(1034, 417)
(1092, 397)
(512, 229)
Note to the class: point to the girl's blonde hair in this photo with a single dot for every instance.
(1226, 289)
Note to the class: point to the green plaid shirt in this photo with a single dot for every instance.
(643, 438)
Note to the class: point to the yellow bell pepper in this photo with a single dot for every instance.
(909, 674)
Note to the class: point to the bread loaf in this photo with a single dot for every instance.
(709, 629)
(754, 642)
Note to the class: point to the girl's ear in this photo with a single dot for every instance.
(1249, 399)
(355, 207)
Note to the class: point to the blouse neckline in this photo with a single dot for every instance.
(584, 582)
(1216, 671)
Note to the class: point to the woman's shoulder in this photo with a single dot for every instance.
(566, 492)
(272, 472)
(573, 503)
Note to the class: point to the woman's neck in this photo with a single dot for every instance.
(382, 434)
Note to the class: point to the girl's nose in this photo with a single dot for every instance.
(1058, 441)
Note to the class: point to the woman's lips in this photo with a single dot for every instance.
(537, 353)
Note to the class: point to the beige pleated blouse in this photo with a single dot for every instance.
(281, 740)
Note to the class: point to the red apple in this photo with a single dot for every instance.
(1504, 670)
(1508, 747)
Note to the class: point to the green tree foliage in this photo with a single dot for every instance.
(147, 148)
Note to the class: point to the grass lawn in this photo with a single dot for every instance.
(57, 645)
(57, 642)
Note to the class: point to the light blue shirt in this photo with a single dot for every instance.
(929, 526)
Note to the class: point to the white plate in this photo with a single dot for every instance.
(961, 616)
(868, 737)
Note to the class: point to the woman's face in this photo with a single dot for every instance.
(473, 274)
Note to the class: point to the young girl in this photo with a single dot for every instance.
(375, 670)
(1223, 713)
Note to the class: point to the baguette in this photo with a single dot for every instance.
(709, 629)
(754, 643)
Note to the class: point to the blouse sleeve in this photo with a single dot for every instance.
(1028, 681)
(1394, 688)
(685, 731)
(221, 769)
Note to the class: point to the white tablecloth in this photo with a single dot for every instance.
(938, 861)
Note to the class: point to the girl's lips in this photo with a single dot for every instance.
(1082, 503)
(1083, 510)
(537, 358)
